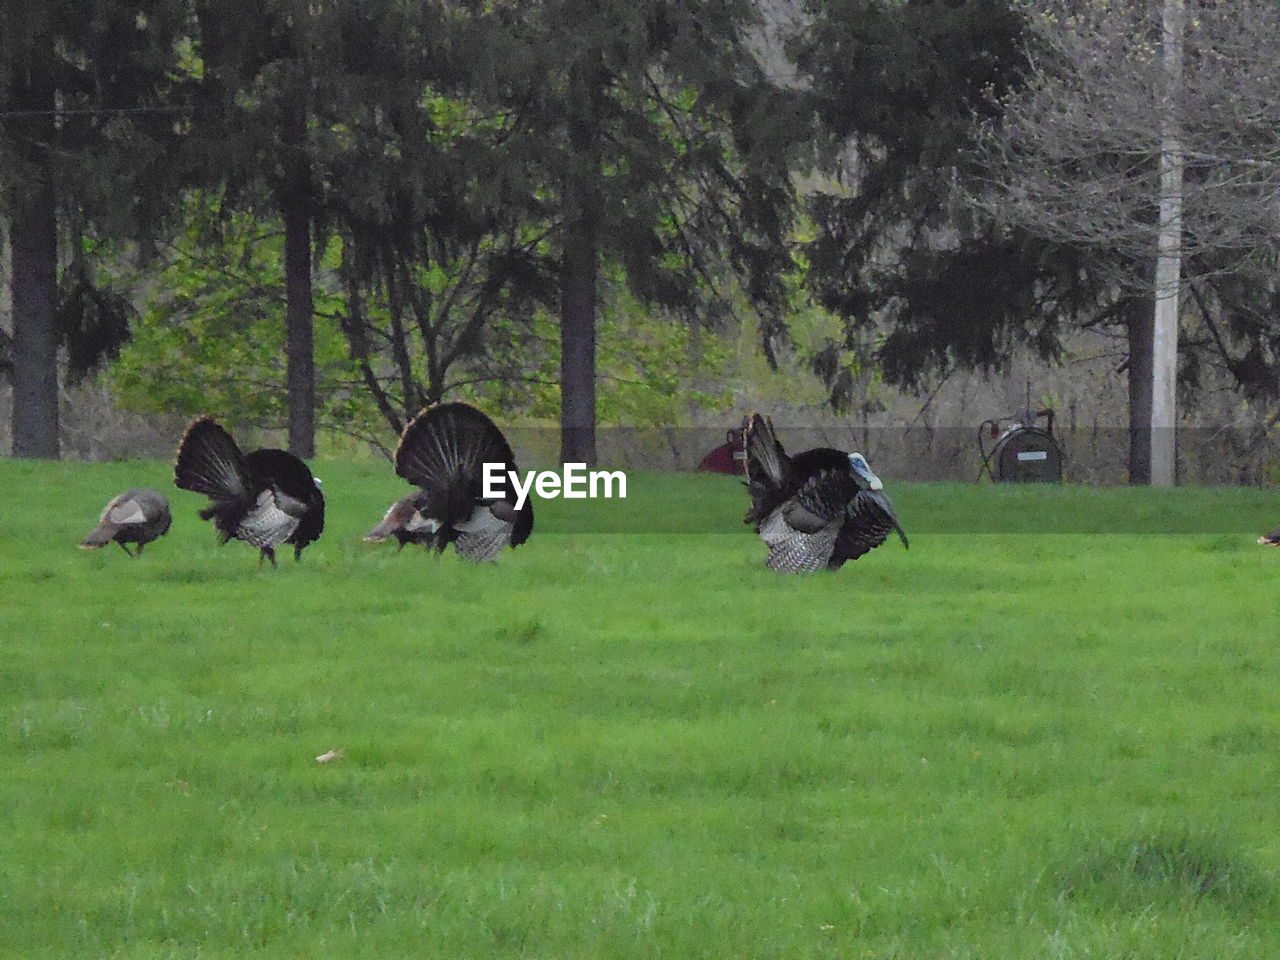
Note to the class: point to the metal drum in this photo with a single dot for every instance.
(1027, 455)
(1023, 452)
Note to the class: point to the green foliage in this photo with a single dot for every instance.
(211, 333)
(210, 338)
(652, 369)
(633, 746)
(655, 370)
(432, 150)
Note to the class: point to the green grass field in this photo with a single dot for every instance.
(1003, 743)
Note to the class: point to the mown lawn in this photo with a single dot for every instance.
(1003, 743)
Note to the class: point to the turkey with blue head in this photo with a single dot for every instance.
(265, 498)
(817, 509)
(136, 516)
(443, 453)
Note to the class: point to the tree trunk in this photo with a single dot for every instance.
(299, 304)
(1141, 328)
(578, 270)
(299, 348)
(33, 239)
(1164, 344)
(579, 266)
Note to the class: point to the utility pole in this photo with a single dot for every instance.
(1164, 347)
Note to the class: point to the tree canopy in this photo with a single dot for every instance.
(364, 208)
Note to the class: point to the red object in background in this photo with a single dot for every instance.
(726, 458)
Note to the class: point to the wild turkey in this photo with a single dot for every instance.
(818, 508)
(265, 498)
(136, 516)
(443, 452)
(403, 521)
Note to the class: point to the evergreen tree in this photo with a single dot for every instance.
(896, 87)
(655, 141)
(900, 89)
(267, 72)
(86, 101)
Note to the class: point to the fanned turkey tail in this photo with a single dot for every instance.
(209, 462)
(768, 467)
(444, 451)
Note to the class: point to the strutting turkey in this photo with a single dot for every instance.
(265, 498)
(135, 516)
(817, 509)
(443, 452)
